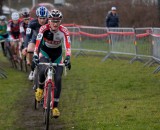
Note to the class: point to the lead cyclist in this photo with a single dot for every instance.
(49, 43)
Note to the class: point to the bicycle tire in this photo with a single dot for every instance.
(10, 57)
(19, 64)
(47, 111)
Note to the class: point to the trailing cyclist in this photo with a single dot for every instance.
(49, 46)
(3, 31)
(13, 29)
(25, 18)
(31, 34)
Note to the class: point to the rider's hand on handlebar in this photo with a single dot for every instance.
(67, 62)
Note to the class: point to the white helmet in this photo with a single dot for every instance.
(15, 16)
(3, 18)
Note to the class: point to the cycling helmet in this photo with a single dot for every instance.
(25, 13)
(56, 15)
(42, 12)
(15, 16)
(2, 18)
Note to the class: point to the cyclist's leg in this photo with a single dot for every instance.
(2, 45)
(30, 51)
(13, 49)
(42, 70)
(5, 36)
(58, 84)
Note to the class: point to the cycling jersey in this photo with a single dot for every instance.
(32, 31)
(3, 29)
(50, 42)
(14, 29)
(23, 27)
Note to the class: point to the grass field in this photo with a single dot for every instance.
(110, 95)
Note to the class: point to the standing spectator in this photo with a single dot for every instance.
(112, 19)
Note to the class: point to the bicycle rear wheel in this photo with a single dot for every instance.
(19, 63)
(47, 111)
(10, 56)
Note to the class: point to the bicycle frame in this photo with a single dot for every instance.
(17, 44)
(18, 58)
(49, 80)
(48, 93)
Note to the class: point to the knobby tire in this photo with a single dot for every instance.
(48, 106)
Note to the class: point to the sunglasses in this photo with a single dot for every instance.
(55, 21)
(26, 18)
(42, 17)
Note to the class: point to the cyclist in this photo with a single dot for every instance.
(49, 46)
(31, 34)
(25, 17)
(3, 31)
(13, 29)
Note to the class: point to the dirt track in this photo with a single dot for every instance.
(31, 119)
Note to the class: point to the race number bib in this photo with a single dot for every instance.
(28, 31)
(39, 36)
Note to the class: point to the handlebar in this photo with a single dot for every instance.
(52, 64)
(55, 64)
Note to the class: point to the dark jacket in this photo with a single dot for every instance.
(112, 20)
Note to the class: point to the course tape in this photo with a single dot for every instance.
(107, 32)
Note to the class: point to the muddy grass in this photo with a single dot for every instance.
(31, 119)
(28, 118)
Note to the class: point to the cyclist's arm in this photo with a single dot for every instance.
(67, 41)
(38, 42)
(22, 31)
(28, 35)
(11, 37)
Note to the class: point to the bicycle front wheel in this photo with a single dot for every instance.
(47, 111)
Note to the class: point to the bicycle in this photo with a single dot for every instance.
(48, 94)
(17, 58)
(2, 41)
(7, 51)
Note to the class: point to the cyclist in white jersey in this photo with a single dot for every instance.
(49, 46)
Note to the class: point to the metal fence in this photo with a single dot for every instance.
(141, 43)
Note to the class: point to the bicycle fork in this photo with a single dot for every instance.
(46, 92)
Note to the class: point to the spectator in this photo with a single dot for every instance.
(112, 19)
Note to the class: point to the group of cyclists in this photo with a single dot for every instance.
(40, 40)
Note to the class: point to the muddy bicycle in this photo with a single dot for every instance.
(48, 94)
